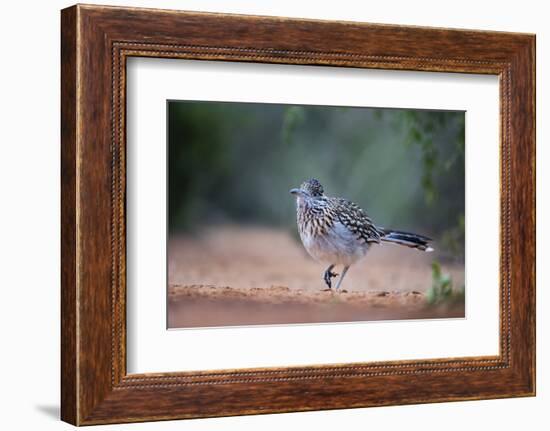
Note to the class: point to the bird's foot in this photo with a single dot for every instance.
(328, 275)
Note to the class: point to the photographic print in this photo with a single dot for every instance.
(288, 214)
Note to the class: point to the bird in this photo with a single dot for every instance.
(336, 231)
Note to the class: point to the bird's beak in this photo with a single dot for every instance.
(296, 192)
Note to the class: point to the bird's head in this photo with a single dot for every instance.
(310, 189)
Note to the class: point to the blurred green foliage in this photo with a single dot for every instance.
(440, 139)
(442, 292)
(235, 162)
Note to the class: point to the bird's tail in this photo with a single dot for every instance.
(408, 239)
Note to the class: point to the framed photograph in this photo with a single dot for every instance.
(264, 214)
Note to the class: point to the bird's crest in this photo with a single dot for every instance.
(313, 187)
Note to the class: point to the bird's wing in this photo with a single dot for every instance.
(356, 220)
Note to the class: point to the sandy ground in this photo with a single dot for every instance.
(250, 276)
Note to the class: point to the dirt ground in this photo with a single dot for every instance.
(253, 276)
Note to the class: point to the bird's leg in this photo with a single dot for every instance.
(342, 277)
(328, 275)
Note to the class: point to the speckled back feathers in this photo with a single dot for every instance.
(317, 216)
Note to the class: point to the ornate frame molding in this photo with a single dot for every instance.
(96, 41)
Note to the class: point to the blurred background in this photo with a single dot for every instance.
(233, 163)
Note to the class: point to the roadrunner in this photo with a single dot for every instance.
(336, 231)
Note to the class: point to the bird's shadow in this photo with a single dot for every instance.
(52, 411)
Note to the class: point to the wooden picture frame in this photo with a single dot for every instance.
(95, 43)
